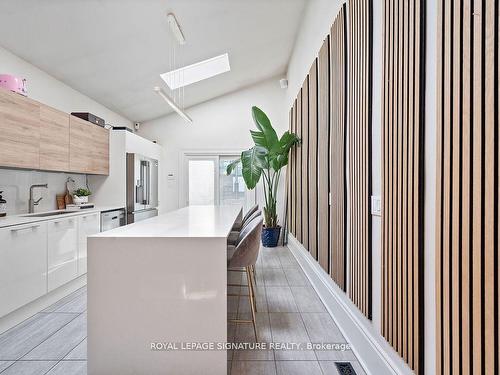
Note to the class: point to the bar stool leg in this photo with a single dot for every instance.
(251, 298)
(254, 286)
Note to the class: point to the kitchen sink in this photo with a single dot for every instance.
(47, 214)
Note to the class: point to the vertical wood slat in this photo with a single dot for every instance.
(313, 160)
(490, 145)
(359, 168)
(300, 197)
(289, 181)
(455, 124)
(293, 163)
(323, 154)
(466, 260)
(338, 89)
(402, 246)
(305, 163)
(467, 188)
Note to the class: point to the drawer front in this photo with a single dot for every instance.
(23, 265)
(87, 226)
(62, 252)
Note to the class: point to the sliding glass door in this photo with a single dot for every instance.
(207, 183)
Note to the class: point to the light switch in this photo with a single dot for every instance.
(376, 205)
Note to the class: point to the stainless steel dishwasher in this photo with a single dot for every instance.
(112, 219)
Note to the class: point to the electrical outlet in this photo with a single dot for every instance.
(376, 205)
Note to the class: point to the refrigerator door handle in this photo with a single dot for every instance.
(148, 182)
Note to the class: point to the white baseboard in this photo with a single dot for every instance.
(17, 316)
(373, 352)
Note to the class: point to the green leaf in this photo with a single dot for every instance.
(259, 139)
(253, 161)
(264, 125)
(281, 161)
(231, 166)
(287, 141)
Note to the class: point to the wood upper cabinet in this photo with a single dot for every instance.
(19, 131)
(80, 145)
(88, 148)
(100, 151)
(54, 139)
(36, 136)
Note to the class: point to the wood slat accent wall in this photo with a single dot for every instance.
(467, 215)
(338, 118)
(402, 150)
(359, 166)
(305, 163)
(313, 160)
(323, 154)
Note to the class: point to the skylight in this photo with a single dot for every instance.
(196, 72)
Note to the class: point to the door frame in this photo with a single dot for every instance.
(186, 155)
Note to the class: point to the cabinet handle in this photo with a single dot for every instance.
(24, 228)
(70, 221)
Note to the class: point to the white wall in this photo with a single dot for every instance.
(219, 125)
(48, 90)
(317, 20)
(377, 93)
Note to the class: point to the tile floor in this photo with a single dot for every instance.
(53, 341)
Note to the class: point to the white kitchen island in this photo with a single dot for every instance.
(157, 282)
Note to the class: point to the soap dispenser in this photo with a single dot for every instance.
(3, 206)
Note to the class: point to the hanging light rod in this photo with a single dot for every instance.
(175, 28)
(172, 104)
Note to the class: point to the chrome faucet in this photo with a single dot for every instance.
(33, 203)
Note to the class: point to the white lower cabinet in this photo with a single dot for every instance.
(87, 226)
(62, 251)
(23, 265)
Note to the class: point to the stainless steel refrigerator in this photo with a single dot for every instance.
(142, 187)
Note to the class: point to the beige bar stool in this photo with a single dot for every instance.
(243, 259)
(232, 239)
(235, 237)
(237, 227)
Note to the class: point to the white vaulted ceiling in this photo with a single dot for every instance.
(114, 50)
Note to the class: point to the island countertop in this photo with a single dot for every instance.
(163, 279)
(187, 222)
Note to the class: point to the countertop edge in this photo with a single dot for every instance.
(13, 220)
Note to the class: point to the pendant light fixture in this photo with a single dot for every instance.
(176, 97)
(171, 103)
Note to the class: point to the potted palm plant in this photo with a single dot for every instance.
(265, 160)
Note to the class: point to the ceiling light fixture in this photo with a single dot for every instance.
(172, 104)
(176, 29)
(196, 72)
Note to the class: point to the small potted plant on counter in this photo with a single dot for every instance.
(266, 159)
(81, 195)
